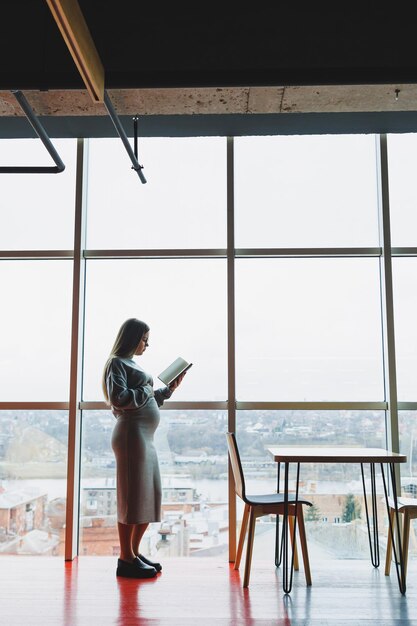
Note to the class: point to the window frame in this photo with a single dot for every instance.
(75, 405)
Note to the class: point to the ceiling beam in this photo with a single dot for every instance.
(220, 101)
(74, 30)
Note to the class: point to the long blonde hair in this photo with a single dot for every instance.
(127, 340)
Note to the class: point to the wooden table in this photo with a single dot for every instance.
(335, 454)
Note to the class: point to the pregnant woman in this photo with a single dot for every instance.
(135, 404)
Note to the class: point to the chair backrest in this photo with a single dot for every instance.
(236, 465)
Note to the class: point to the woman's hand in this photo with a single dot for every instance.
(176, 382)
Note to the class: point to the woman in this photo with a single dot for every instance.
(134, 402)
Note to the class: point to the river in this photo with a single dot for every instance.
(213, 490)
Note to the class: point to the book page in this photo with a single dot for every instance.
(172, 371)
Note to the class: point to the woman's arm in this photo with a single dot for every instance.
(120, 395)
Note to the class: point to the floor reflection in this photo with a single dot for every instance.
(130, 609)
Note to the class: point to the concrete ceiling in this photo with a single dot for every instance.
(282, 61)
(221, 100)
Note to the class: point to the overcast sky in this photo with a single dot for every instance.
(306, 329)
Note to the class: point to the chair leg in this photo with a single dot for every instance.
(291, 519)
(242, 536)
(249, 546)
(388, 556)
(406, 539)
(303, 543)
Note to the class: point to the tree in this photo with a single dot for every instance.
(352, 508)
(312, 513)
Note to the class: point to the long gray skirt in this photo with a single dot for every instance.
(139, 490)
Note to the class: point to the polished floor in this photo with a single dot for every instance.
(200, 591)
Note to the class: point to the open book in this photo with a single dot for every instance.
(174, 370)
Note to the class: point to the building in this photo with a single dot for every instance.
(99, 501)
(23, 523)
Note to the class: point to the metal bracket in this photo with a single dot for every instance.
(41, 133)
(135, 136)
(120, 130)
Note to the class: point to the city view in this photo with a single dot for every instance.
(193, 461)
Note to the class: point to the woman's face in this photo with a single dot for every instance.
(143, 344)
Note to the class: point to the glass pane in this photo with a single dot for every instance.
(184, 303)
(336, 522)
(405, 312)
(306, 191)
(191, 447)
(408, 446)
(183, 204)
(402, 156)
(33, 482)
(35, 330)
(308, 330)
(39, 207)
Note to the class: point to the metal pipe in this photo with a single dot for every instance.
(41, 133)
(135, 135)
(120, 130)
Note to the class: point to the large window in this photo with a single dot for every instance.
(402, 154)
(286, 315)
(192, 455)
(308, 329)
(336, 522)
(306, 191)
(183, 204)
(183, 302)
(405, 302)
(35, 330)
(33, 472)
(39, 208)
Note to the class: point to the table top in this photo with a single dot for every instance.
(334, 454)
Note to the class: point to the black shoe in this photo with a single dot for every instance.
(136, 569)
(157, 566)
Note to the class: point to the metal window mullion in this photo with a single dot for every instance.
(407, 251)
(179, 253)
(307, 252)
(407, 406)
(387, 305)
(77, 326)
(183, 253)
(310, 406)
(231, 359)
(34, 406)
(219, 405)
(222, 405)
(30, 255)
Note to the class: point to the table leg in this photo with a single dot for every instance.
(398, 557)
(278, 545)
(374, 549)
(288, 571)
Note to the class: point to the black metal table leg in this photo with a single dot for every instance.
(288, 576)
(278, 545)
(398, 558)
(374, 549)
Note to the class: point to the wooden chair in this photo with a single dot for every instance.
(259, 505)
(407, 507)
